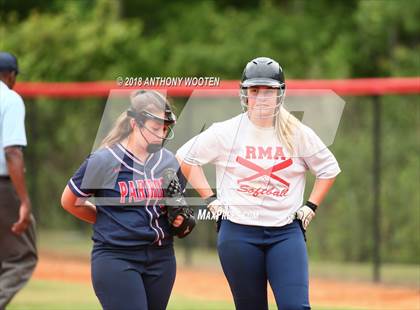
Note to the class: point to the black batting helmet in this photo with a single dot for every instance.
(262, 71)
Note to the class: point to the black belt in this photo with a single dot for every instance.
(4, 177)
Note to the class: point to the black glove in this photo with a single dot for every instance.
(176, 205)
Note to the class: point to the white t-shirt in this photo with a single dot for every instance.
(12, 122)
(258, 182)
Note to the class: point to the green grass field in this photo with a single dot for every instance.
(75, 244)
(46, 295)
(53, 295)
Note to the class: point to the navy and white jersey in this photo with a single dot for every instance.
(128, 196)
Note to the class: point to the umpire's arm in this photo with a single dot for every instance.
(16, 167)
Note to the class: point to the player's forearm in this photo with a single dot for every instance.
(16, 167)
(320, 190)
(85, 211)
(195, 176)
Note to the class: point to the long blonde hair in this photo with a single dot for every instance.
(287, 127)
(150, 100)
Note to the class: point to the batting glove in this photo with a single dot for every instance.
(306, 213)
(214, 205)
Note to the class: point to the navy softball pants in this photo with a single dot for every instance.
(252, 255)
(139, 279)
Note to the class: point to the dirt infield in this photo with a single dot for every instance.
(212, 285)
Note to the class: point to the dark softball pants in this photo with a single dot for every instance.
(18, 253)
(252, 255)
(139, 279)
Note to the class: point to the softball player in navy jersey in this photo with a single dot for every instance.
(261, 157)
(133, 262)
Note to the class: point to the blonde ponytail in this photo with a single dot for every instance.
(286, 126)
(119, 131)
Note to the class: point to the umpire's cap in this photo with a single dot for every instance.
(8, 62)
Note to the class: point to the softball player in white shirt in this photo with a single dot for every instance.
(261, 157)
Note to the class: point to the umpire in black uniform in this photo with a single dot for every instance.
(18, 254)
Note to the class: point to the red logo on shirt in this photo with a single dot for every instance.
(264, 153)
(261, 152)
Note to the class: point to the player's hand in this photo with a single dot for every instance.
(24, 218)
(178, 221)
(214, 205)
(305, 215)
